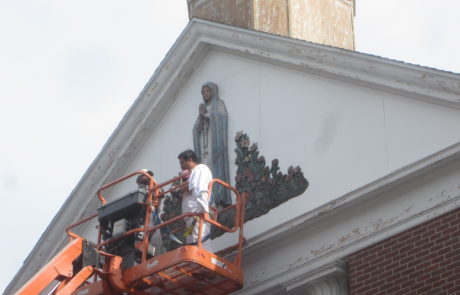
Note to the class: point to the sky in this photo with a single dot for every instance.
(69, 71)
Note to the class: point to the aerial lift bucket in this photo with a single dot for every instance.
(186, 270)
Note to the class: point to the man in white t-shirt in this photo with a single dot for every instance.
(196, 198)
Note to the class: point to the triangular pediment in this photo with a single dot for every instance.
(346, 118)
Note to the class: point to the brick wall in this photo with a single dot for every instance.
(423, 260)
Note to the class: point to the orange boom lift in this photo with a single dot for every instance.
(120, 261)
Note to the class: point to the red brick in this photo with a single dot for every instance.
(435, 291)
(439, 283)
(435, 236)
(361, 254)
(393, 290)
(399, 269)
(433, 280)
(442, 240)
(391, 254)
(440, 259)
(428, 233)
(454, 266)
(361, 290)
(406, 248)
(422, 278)
(423, 253)
(444, 251)
(385, 287)
(424, 264)
(392, 265)
(449, 218)
(389, 243)
(393, 277)
(406, 260)
(404, 237)
(365, 265)
(442, 227)
(408, 271)
(416, 262)
(449, 230)
(414, 239)
(384, 251)
(416, 274)
(419, 231)
(423, 289)
(406, 291)
(422, 260)
(447, 286)
(454, 253)
(454, 240)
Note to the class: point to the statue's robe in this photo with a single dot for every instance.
(216, 139)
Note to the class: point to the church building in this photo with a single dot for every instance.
(351, 161)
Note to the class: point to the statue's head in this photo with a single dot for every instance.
(208, 91)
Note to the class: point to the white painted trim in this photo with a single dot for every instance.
(405, 176)
(408, 177)
(397, 77)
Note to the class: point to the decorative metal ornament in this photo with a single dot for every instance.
(267, 187)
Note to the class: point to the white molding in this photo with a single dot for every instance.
(394, 187)
(405, 175)
(264, 286)
(397, 77)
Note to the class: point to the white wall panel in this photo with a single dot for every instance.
(342, 135)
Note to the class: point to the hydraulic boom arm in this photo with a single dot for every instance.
(60, 268)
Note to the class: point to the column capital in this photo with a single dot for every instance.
(330, 279)
(328, 285)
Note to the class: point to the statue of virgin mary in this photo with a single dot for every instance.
(210, 137)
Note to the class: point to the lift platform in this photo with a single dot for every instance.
(120, 261)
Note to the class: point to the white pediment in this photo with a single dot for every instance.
(346, 118)
(342, 134)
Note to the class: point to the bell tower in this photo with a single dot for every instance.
(328, 22)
